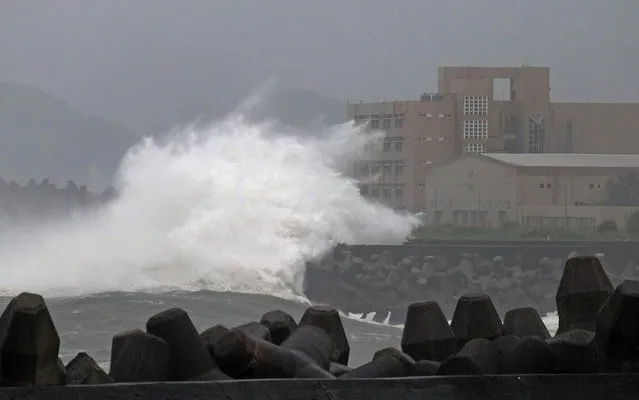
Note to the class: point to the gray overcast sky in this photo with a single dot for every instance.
(109, 55)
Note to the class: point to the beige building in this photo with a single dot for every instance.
(554, 190)
(481, 110)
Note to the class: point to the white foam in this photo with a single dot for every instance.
(550, 320)
(235, 206)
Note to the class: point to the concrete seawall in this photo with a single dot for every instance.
(383, 279)
(530, 387)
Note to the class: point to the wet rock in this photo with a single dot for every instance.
(583, 289)
(83, 370)
(280, 324)
(475, 317)
(523, 322)
(427, 335)
(29, 344)
(328, 319)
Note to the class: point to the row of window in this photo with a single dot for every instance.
(389, 143)
(384, 191)
(367, 168)
(475, 129)
(399, 123)
(366, 117)
(441, 115)
(475, 148)
(475, 105)
(548, 185)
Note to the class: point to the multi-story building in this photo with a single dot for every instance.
(479, 110)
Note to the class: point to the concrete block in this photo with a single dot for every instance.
(29, 343)
(476, 357)
(83, 370)
(475, 317)
(427, 335)
(280, 324)
(524, 322)
(328, 319)
(583, 289)
(141, 357)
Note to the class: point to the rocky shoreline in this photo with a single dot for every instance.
(388, 282)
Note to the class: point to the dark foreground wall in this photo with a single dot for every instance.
(529, 387)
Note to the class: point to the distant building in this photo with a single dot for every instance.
(537, 190)
(482, 110)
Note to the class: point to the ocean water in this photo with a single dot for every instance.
(216, 219)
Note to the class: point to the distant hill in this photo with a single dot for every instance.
(156, 115)
(42, 136)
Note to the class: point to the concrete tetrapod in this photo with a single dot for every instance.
(524, 322)
(211, 336)
(29, 344)
(427, 335)
(141, 357)
(617, 329)
(477, 357)
(532, 355)
(189, 357)
(83, 370)
(243, 356)
(583, 289)
(328, 319)
(280, 324)
(117, 342)
(475, 317)
(255, 329)
(389, 363)
(574, 352)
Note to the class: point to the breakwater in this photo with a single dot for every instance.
(478, 355)
(383, 279)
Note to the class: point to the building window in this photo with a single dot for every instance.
(387, 168)
(375, 192)
(399, 191)
(475, 148)
(387, 146)
(541, 186)
(363, 189)
(387, 192)
(536, 134)
(399, 145)
(387, 124)
(548, 185)
(475, 129)
(364, 168)
(399, 123)
(475, 105)
(374, 123)
(376, 167)
(399, 167)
